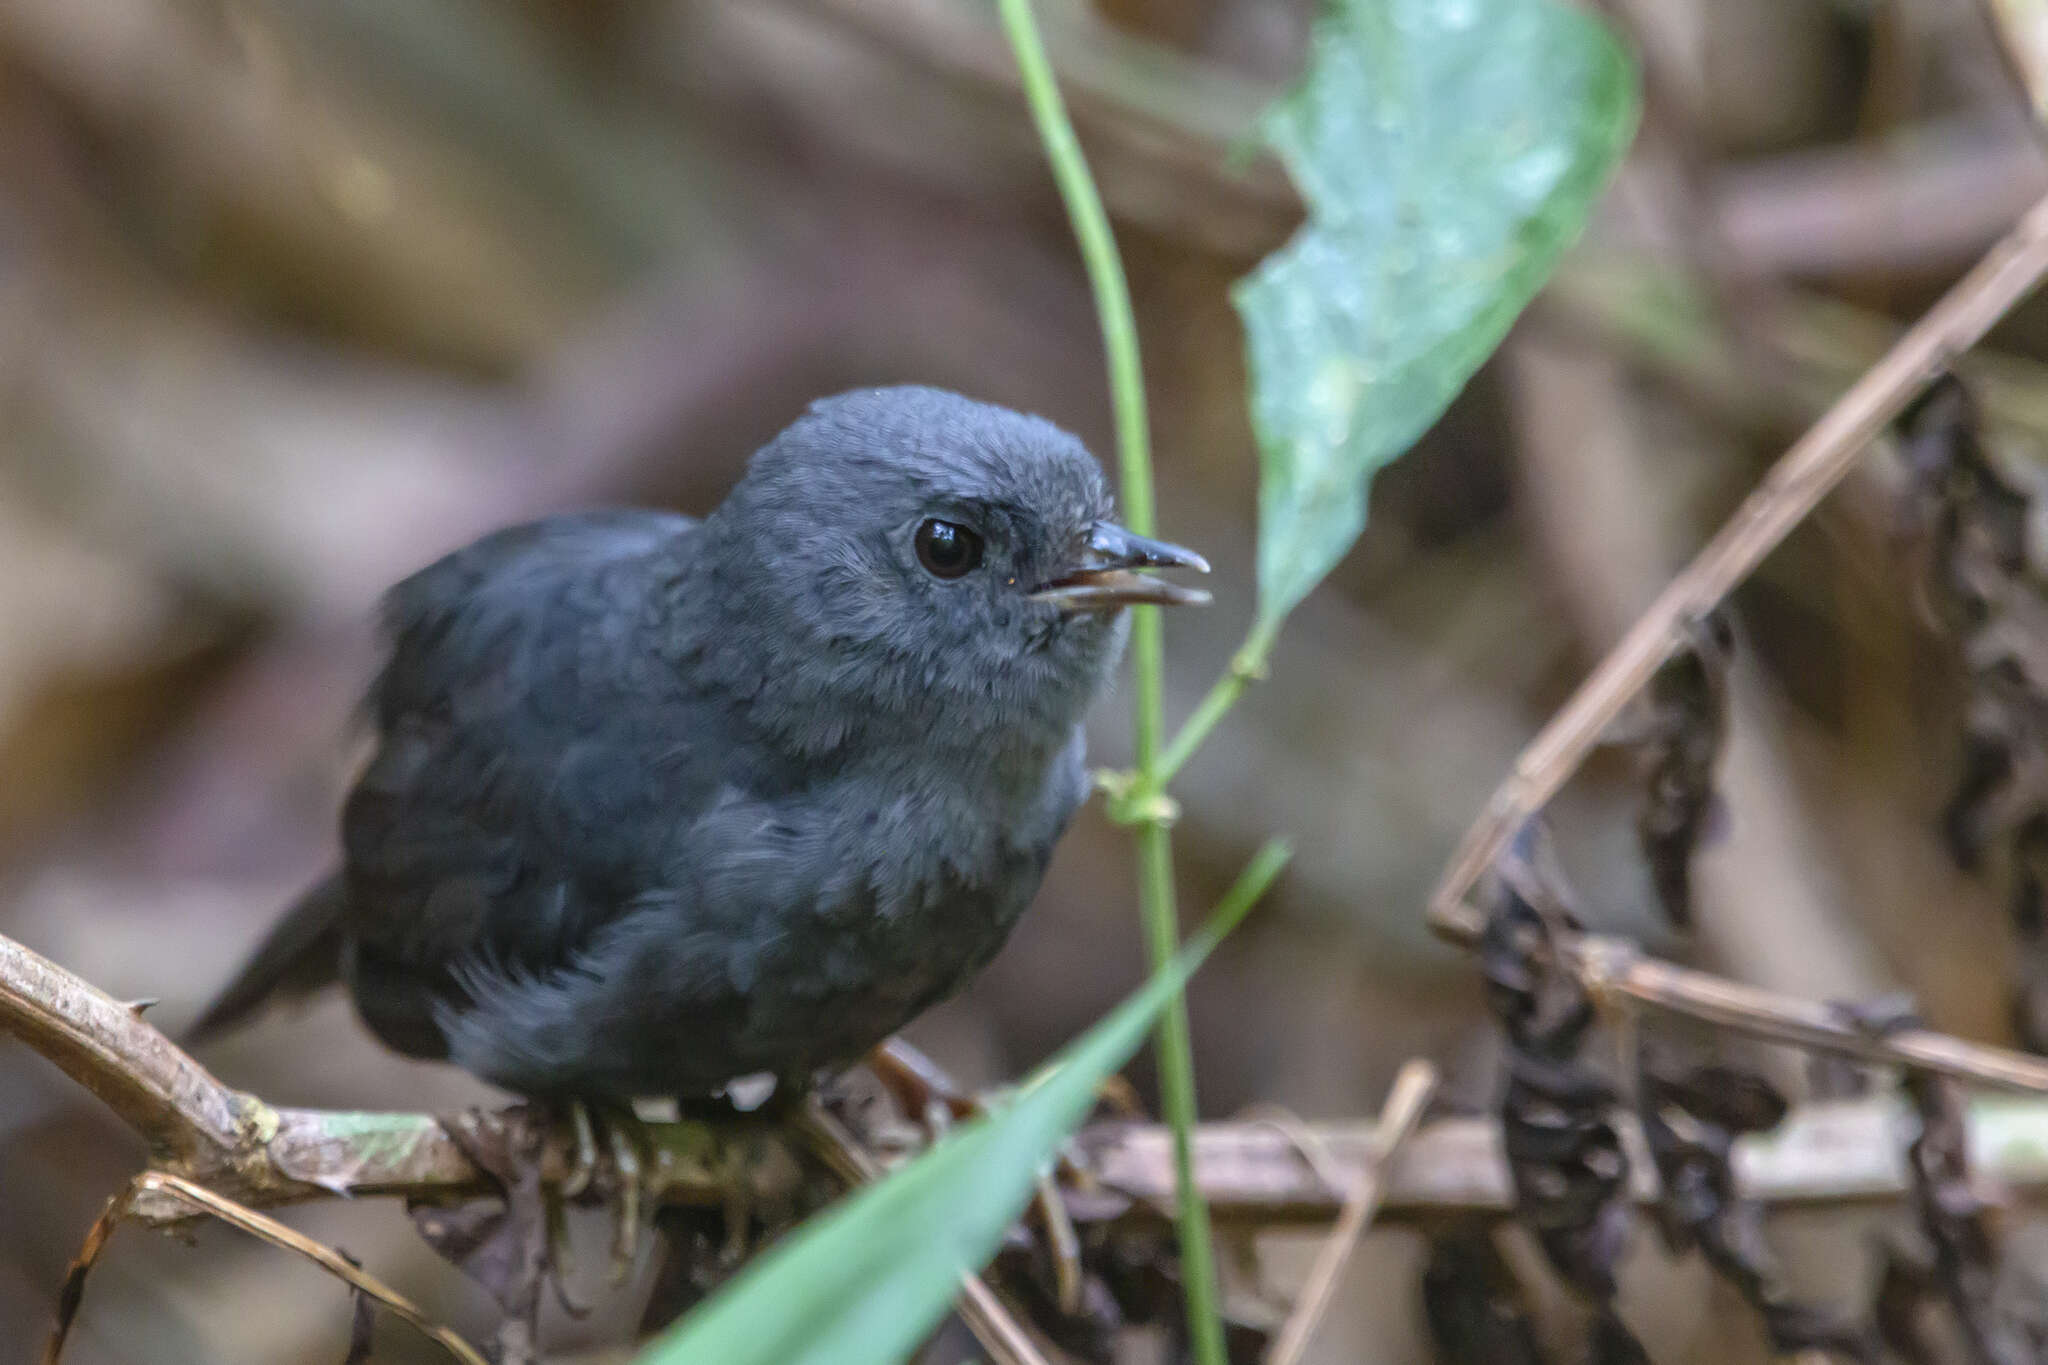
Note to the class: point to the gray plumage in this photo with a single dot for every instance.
(656, 803)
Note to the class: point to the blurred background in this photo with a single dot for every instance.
(296, 295)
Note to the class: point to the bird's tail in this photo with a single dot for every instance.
(301, 953)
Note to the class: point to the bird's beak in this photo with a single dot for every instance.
(1104, 579)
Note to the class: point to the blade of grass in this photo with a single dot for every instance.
(1134, 459)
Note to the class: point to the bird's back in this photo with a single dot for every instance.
(528, 733)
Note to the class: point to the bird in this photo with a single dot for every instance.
(658, 803)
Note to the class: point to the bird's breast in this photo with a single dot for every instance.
(928, 883)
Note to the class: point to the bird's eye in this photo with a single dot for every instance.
(947, 549)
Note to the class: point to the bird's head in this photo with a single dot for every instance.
(910, 552)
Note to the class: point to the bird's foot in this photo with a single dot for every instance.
(603, 1147)
(928, 1096)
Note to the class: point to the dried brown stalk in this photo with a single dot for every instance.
(1794, 487)
(993, 1325)
(1252, 1172)
(1615, 972)
(1248, 1171)
(1398, 1118)
(158, 1187)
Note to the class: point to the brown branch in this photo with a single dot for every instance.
(1254, 1173)
(261, 1156)
(185, 1114)
(992, 1324)
(1813, 466)
(1398, 1117)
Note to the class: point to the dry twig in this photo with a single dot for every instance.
(993, 1325)
(157, 1186)
(1794, 487)
(1249, 1171)
(1402, 1111)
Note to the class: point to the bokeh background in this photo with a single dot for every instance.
(296, 295)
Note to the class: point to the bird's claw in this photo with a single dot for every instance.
(583, 1169)
(625, 1145)
(628, 1145)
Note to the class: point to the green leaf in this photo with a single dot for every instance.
(864, 1283)
(1448, 151)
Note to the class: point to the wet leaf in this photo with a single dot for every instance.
(1448, 150)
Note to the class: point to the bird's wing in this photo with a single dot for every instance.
(527, 734)
(780, 942)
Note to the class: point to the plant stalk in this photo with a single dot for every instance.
(1134, 457)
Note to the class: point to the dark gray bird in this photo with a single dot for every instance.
(658, 803)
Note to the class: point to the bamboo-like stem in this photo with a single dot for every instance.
(1249, 1172)
(1813, 466)
(1134, 457)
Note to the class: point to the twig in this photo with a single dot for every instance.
(1813, 466)
(184, 1113)
(1615, 971)
(1403, 1109)
(158, 1186)
(993, 1325)
(1249, 1171)
(1835, 1153)
(258, 1155)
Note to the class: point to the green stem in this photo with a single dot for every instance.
(1245, 892)
(1098, 253)
(1134, 457)
(1247, 666)
(1174, 1042)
